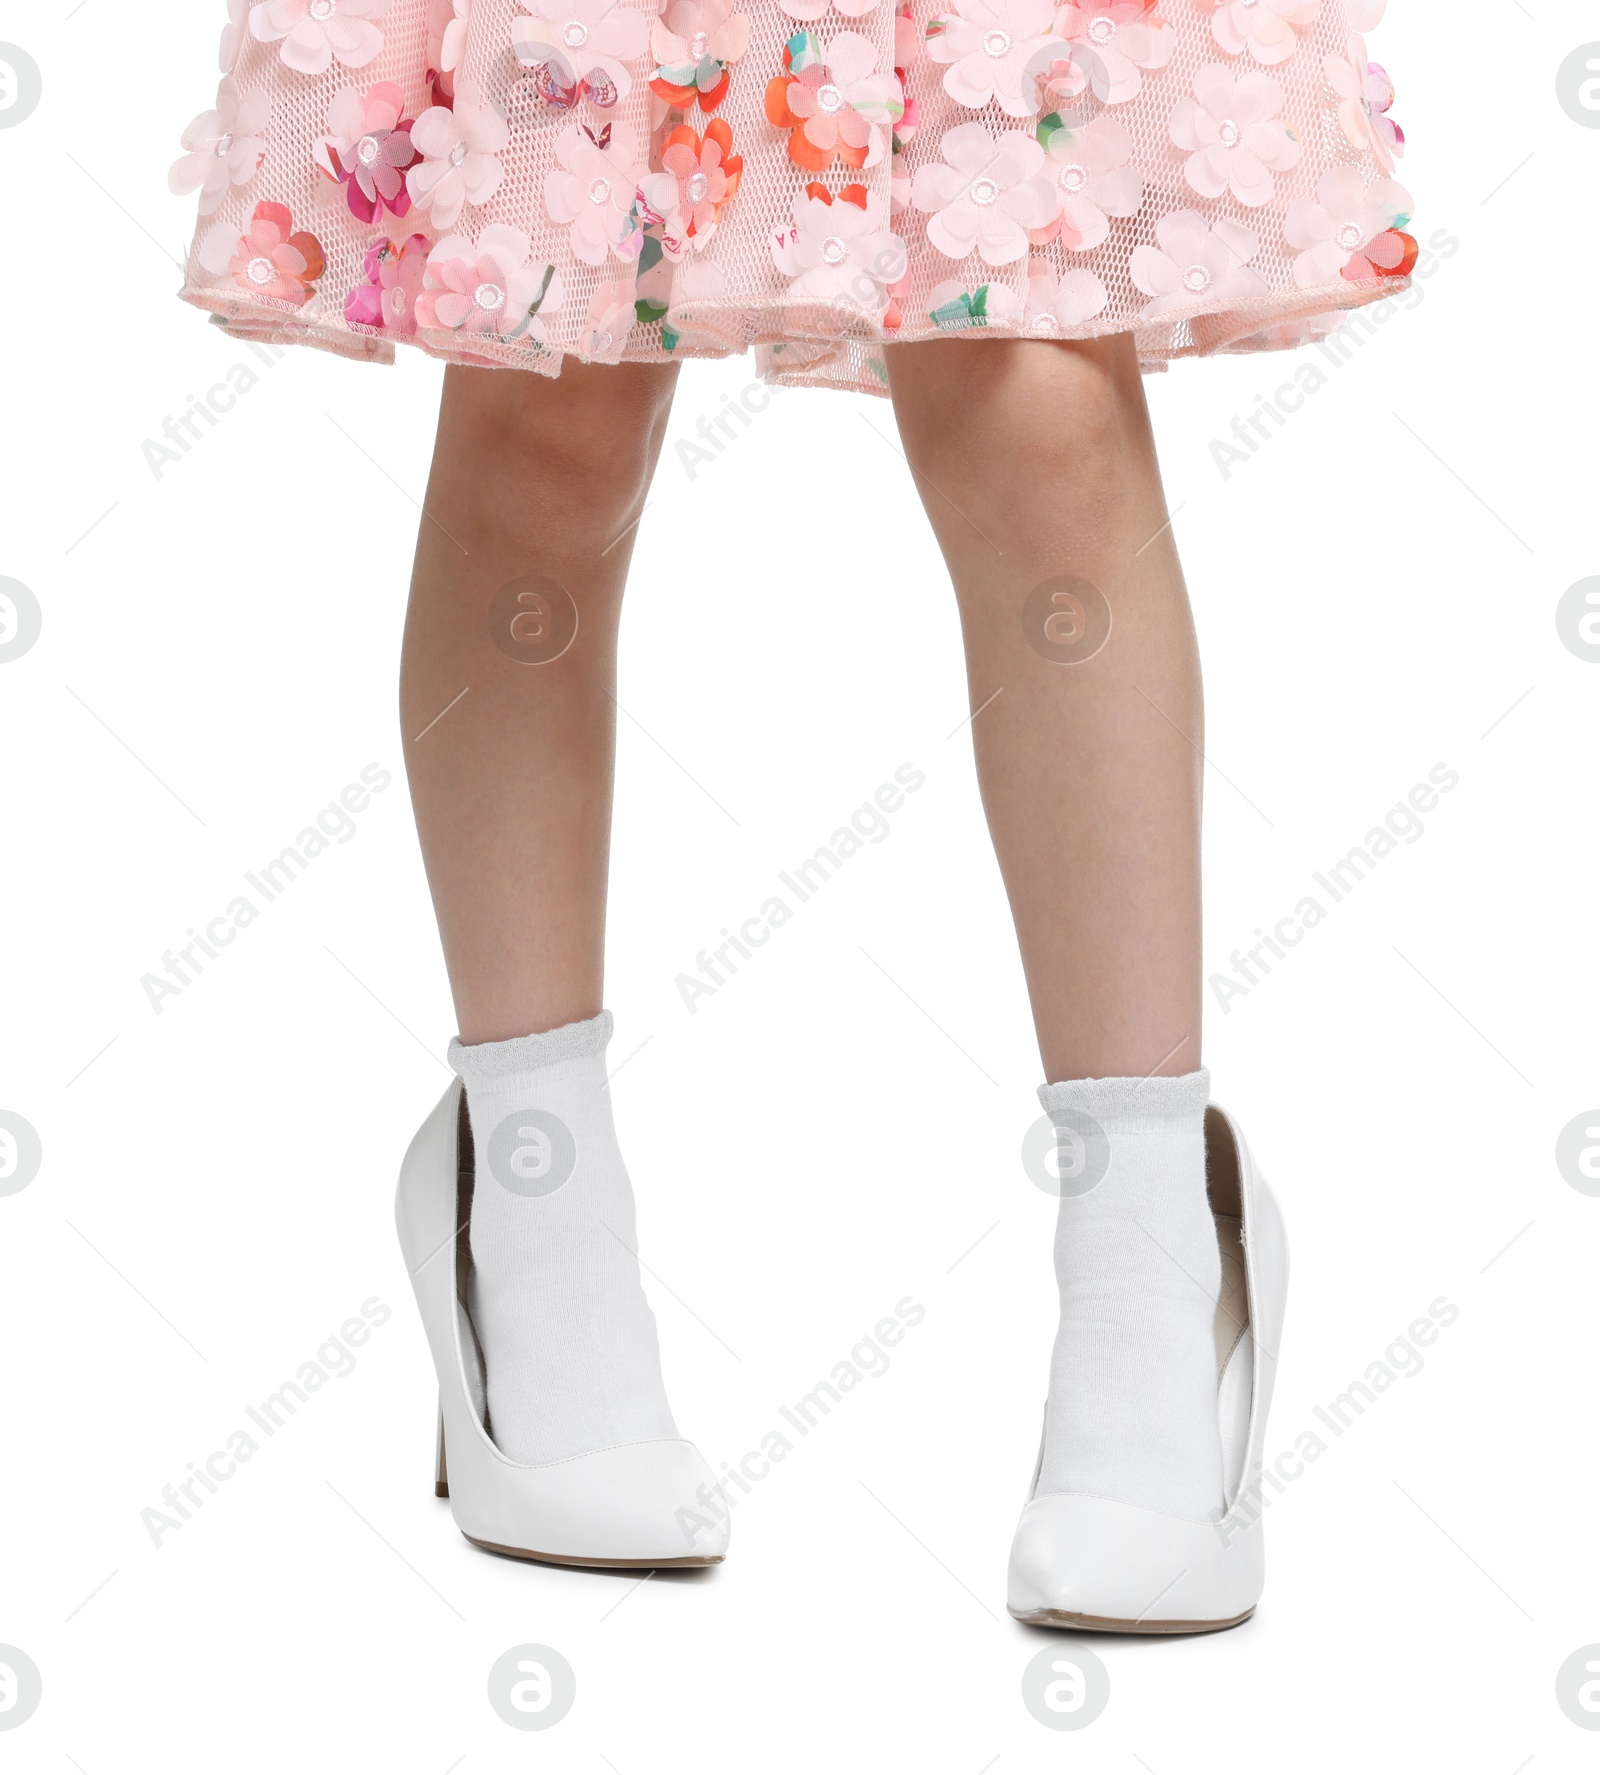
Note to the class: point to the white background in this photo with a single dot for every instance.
(1374, 592)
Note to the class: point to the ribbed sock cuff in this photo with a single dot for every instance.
(1134, 1106)
(482, 1062)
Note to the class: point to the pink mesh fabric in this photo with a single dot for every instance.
(505, 182)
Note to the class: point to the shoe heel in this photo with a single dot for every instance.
(441, 1476)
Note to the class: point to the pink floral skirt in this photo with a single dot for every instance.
(506, 182)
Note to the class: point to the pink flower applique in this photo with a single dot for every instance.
(579, 49)
(269, 259)
(225, 148)
(1234, 139)
(1365, 93)
(987, 195)
(994, 50)
(610, 320)
(832, 101)
(1194, 267)
(458, 165)
(1350, 230)
(489, 288)
(316, 33)
(694, 43)
(1093, 178)
(448, 25)
(367, 149)
(592, 191)
(839, 248)
(1269, 29)
(234, 33)
(699, 177)
(1115, 44)
(388, 298)
(1058, 305)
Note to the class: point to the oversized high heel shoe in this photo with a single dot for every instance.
(1082, 1562)
(642, 1505)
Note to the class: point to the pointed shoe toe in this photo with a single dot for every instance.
(643, 1504)
(1095, 1563)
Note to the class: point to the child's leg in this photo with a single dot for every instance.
(1035, 461)
(512, 787)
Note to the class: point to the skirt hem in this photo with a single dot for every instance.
(795, 347)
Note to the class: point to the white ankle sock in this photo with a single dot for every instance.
(568, 1339)
(1133, 1379)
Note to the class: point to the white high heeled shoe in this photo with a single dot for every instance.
(1083, 1562)
(643, 1505)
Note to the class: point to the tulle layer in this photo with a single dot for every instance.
(512, 182)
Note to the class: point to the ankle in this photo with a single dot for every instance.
(569, 1342)
(1133, 1387)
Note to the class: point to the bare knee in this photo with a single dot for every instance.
(557, 463)
(997, 414)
